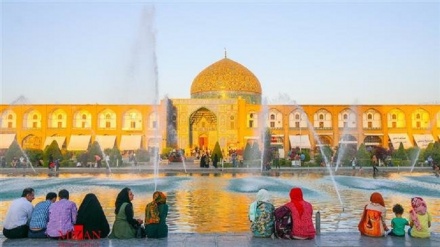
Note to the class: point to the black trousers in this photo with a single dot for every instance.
(18, 232)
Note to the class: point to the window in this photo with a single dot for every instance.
(10, 117)
(34, 125)
(84, 117)
(133, 124)
(345, 117)
(251, 123)
(297, 117)
(418, 125)
(35, 117)
(60, 125)
(60, 117)
(321, 125)
(272, 124)
(296, 124)
(321, 117)
(272, 116)
(393, 117)
(370, 125)
(417, 116)
(107, 124)
(369, 116)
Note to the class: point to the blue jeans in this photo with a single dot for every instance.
(37, 234)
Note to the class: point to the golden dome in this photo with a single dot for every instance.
(225, 79)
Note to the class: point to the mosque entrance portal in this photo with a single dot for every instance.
(202, 127)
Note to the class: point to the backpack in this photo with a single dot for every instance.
(283, 222)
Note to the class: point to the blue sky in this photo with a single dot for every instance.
(308, 52)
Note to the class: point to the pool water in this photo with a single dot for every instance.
(215, 203)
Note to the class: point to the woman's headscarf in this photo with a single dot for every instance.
(376, 197)
(296, 197)
(122, 197)
(419, 207)
(151, 210)
(262, 196)
(92, 217)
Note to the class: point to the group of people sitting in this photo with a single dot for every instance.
(294, 220)
(62, 220)
(373, 223)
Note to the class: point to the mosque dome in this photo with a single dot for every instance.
(226, 79)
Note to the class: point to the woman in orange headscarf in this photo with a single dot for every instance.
(302, 212)
(155, 216)
(372, 222)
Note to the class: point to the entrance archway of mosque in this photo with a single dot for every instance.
(202, 128)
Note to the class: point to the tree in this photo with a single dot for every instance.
(142, 155)
(94, 149)
(247, 154)
(323, 154)
(52, 151)
(433, 150)
(267, 151)
(217, 150)
(14, 151)
(400, 153)
(34, 155)
(255, 151)
(363, 156)
(114, 155)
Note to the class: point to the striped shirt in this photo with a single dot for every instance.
(40, 215)
(62, 217)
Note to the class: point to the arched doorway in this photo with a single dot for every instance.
(202, 128)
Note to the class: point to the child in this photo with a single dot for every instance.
(420, 219)
(398, 223)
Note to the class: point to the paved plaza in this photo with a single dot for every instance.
(234, 239)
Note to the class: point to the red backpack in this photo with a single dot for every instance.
(283, 222)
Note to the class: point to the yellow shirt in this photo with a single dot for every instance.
(424, 232)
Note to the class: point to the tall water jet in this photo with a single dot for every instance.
(262, 132)
(20, 100)
(425, 144)
(327, 163)
(148, 35)
(349, 121)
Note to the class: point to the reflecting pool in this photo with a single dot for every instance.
(208, 202)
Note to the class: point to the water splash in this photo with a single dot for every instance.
(264, 113)
(345, 132)
(327, 163)
(20, 100)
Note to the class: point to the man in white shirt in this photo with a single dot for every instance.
(16, 224)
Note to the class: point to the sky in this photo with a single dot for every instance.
(138, 52)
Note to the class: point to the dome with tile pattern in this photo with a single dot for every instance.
(226, 79)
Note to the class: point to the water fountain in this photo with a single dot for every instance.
(342, 148)
(327, 163)
(21, 100)
(262, 131)
(416, 158)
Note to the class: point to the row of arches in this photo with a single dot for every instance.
(107, 119)
(348, 118)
